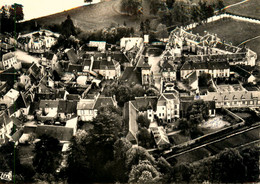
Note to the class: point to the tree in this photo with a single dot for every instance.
(170, 3)
(144, 172)
(132, 7)
(251, 162)
(121, 146)
(47, 157)
(144, 138)
(220, 6)
(16, 12)
(229, 167)
(143, 121)
(123, 94)
(67, 27)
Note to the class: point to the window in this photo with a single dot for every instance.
(162, 108)
(162, 114)
(150, 115)
(244, 102)
(159, 114)
(251, 102)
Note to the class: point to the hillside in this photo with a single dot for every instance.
(94, 16)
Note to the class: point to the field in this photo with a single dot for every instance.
(215, 148)
(233, 31)
(94, 16)
(248, 9)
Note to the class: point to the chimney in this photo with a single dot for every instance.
(91, 63)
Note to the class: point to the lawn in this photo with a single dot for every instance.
(215, 148)
(233, 31)
(247, 9)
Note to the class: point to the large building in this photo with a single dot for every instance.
(209, 46)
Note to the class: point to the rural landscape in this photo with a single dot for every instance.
(131, 91)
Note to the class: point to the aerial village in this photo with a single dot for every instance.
(155, 86)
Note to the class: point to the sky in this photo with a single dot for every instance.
(38, 8)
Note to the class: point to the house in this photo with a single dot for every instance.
(106, 66)
(48, 109)
(168, 107)
(209, 45)
(146, 106)
(10, 97)
(21, 106)
(234, 99)
(25, 81)
(160, 137)
(101, 45)
(9, 60)
(130, 114)
(6, 126)
(243, 75)
(215, 69)
(50, 59)
(128, 43)
(193, 80)
(73, 58)
(35, 72)
(87, 109)
(63, 134)
(37, 41)
(168, 70)
(66, 109)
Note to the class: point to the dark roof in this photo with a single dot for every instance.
(72, 56)
(145, 103)
(67, 106)
(131, 75)
(240, 71)
(75, 67)
(48, 55)
(58, 132)
(73, 97)
(193, 77)
(35, 70)
(103, 101)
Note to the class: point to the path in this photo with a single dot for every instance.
(235, 4)
(248, 40)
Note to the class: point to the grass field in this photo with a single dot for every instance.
(233, 31)
(215, 148)
(95, 16)
(248, 9)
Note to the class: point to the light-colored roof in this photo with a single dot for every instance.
(12, 93)
(230, 96)
(8, 56)
(86, 104)
(160, 135)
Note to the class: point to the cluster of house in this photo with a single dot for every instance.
(55, 107)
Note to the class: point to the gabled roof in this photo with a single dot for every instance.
(8, 56)
(75, 67)
(145, 103)
(160, 135)
(131, 75)
(104, 101)
(49, 104)
(240, 71)
(66, 106)
(86, 104)
(71, 55)
(59, 132)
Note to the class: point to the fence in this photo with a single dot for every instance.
(222, 16)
